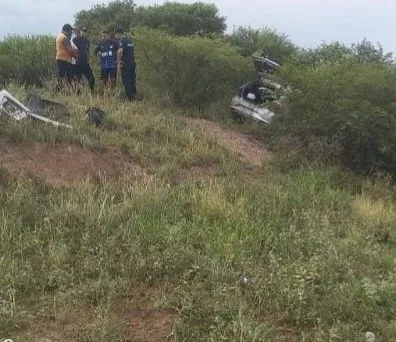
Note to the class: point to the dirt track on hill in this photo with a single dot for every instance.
(252, 151)
(66, 165)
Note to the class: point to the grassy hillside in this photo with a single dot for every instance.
(187, 241)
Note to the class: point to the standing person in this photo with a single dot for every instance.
(65, 53)
(83, 67)
(107, 52)
(74, 64)
(126, 62)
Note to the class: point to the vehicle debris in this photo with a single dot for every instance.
(47, 108)
(369, 336)
(12, 107)
(96, 116)
(16, 110)
(244, 281)
(253, 97)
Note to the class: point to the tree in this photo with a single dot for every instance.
(363, 52)
(265, 42)
(324, 53)
(182, 19)
(367, 52)
(100, 17)
(175, 18)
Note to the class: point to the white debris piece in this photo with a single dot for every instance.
(12, 106)
(15, 109)
(370, 337)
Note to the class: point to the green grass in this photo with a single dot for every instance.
(316, 243)
(160, 141)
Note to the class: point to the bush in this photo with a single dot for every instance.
(265, 42)
(27, 60)
(347, 103)
(190, 71)
(182, 19)
(172, 17)
(363, 52)
(107, 16)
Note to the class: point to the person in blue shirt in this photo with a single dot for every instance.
(107, 53)
(126, 62)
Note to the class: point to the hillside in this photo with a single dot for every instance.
(160, 227)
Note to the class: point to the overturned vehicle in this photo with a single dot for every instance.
(258, 98)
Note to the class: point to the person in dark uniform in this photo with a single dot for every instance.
(107, 52)
(83, 68)
(126, 63)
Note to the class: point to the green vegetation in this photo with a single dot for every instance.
(346, 99)
(363, 52)
(265, 41)
(316, 243)
(178, 235)
(190, 72)
(102, 16)
(172, 17)
(182, 19)
(26, 59)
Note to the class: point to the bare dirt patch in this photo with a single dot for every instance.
(194, 173)
(66, 329)
(147, 325)
(247, 147)
(134, 317)
(65, 165)
(141, 322)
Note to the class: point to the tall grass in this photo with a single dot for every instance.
(316, 244)
(315, 265)
(270, 254)
(27, 60)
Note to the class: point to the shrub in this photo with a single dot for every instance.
(173, 17)
(265, 41)
(191, 71)
(27, 60)
(348, 103)
(182, 19)
(107, 16)
(362, 52)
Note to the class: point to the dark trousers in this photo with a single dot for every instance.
(84, 69)
(128, 75)
(65, 73)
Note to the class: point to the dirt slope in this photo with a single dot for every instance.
(63, 164)
(249, 149)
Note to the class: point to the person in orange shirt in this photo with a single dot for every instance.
(65, 54)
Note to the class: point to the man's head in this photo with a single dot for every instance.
(67, 29)
(84, 32)
(118, 33)
(105, 35)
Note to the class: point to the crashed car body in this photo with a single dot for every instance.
(253, 98)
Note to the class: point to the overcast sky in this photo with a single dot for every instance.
(307, 22)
